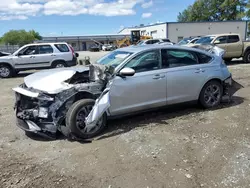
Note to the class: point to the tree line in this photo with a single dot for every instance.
(20, 37)
(215, 10)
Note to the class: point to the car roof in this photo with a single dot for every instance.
(137, 49)
(223, 34)
(38, 44)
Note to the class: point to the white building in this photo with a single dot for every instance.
(176, 31)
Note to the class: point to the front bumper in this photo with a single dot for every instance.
(27, 114)
(46, 130)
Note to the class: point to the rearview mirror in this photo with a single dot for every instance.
(127, 72)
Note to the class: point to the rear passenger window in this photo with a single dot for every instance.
(233, 38)
(178, 58)
(62, 47)
(203, 59)
(45, 49)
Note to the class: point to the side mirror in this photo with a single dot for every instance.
(127, 72)
(76, 54)
(217, 42)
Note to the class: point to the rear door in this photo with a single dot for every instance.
(185, 74)
(146, 89)
(235, 46)
(44, 56)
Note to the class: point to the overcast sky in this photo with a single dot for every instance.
(81, 17)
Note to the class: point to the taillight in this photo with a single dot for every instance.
(72, 50)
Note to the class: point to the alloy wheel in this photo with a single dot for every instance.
(80, 120)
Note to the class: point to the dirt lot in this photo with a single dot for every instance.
(180, 146)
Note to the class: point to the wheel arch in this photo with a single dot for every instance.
(247, 49)
(8, 64)
(57, 60)
(62, 110)
(209, 80)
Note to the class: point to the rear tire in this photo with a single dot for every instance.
(77, 114)
(6, 71)
(58, 64)
(246, 57)
(211, 94)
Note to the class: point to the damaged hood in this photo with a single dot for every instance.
(52, 81)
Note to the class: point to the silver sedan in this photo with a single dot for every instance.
(123, 82)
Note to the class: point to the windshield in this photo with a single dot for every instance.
(140, 43)
(184, 41)
(205, 40)
(114, 58)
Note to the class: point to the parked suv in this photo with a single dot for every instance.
(38, 56)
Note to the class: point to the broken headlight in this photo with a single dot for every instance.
(43, 112)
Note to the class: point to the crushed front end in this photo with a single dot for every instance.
(33, 111)
(44, 113)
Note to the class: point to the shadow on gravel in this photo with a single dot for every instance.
(160, 116)
(235, 62)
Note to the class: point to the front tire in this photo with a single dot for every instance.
(211, 94)
(75, 119)
(6, 71)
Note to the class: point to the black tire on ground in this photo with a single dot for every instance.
(58, 64)
(246, 57)
(211, 94)
(71, 119)
(6, 71)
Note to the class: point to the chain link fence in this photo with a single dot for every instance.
(9, 48)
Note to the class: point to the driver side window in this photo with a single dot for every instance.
(221, 40)
(146, 61)
(30, 50)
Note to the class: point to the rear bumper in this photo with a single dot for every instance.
(71, 63)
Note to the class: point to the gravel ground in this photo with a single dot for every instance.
(181, 146)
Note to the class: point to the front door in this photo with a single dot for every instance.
(184, 74)
(25, 57)
(146, 89)
(221, 42)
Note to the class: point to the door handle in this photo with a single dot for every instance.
(158, 76)
(53, 55)
(32, 56)
(199, 70)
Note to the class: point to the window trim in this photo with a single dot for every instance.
(38, 49)
(189, 51)
(232, 42)
(56, 46)
(25, 48)
(137, 54)
(220, 37)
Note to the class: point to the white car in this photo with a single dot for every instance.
(38, 56)
(153, 41)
